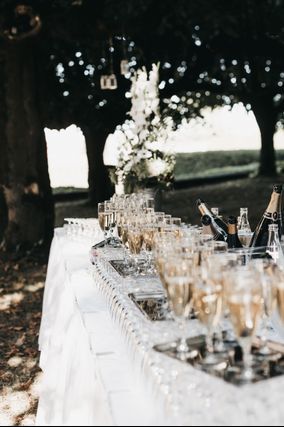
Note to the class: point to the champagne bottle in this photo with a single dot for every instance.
(210, 227)
(204, 210)
(233, 238)
(272, 215)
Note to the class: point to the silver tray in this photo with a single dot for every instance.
(230, 362)
(153, 306)
(121, 269)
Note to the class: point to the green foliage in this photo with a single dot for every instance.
(212, 52)
(219, 51)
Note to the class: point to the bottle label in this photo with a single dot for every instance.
(275, 216)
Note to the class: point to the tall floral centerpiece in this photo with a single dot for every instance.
(144, 157)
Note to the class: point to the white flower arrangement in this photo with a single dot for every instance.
(144, 157)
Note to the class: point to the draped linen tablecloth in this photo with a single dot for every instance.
(87, 374)
(99, 366)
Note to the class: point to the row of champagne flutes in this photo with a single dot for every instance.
(137, 334)
(202, 276)
(82, 229)
(136, 223)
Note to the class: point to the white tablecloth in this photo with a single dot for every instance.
(90, 376)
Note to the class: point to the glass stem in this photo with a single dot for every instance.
(264, 337)
(209, 341)
(247, 358)
(182, 347)
(136, 264)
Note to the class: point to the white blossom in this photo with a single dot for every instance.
(157, 167)
(143, 141)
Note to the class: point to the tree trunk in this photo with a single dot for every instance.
(266, 118)
(3, 154)
(25, 179)
(100, 187)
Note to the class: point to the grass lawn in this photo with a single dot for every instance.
(215, 163)
(253, 193)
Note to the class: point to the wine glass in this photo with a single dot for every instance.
(280, 297)
(268, 274)
(104, 220)
(178, 278)
(135, 241)
(110, 209)
(148, 237)
(208, 304)
(245, 303)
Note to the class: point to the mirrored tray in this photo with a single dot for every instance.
(154, 306)
(121, 269)
(230, 361)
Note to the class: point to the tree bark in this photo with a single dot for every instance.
(266, 118)
(25, 179)
(100, 187)
(3, 152)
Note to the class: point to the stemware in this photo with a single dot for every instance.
(268, 275)
(178, 278)
(208, 304)
(148, 238)
(104, 220)
(135, 242)
(245, 303)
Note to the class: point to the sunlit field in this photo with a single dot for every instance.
(221, 130)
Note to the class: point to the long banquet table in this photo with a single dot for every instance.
(99, 365)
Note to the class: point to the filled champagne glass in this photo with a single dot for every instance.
(245, 303)
(178, 279)
(279, 295)
(148, 237)
(104, 220)
(208, 304)
(135, 242)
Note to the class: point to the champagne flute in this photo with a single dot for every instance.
(268, 273)
(178, 277)
(135, 241)
(148, 237)
(111, 210)
(104, 220)
(208, 304)
(245, 303)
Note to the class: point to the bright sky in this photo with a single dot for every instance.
(222, 129)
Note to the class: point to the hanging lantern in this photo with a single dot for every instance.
(104, 82)
(112, 82)
(109, 80)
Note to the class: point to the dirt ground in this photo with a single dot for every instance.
(22, 283)
(21, 291)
